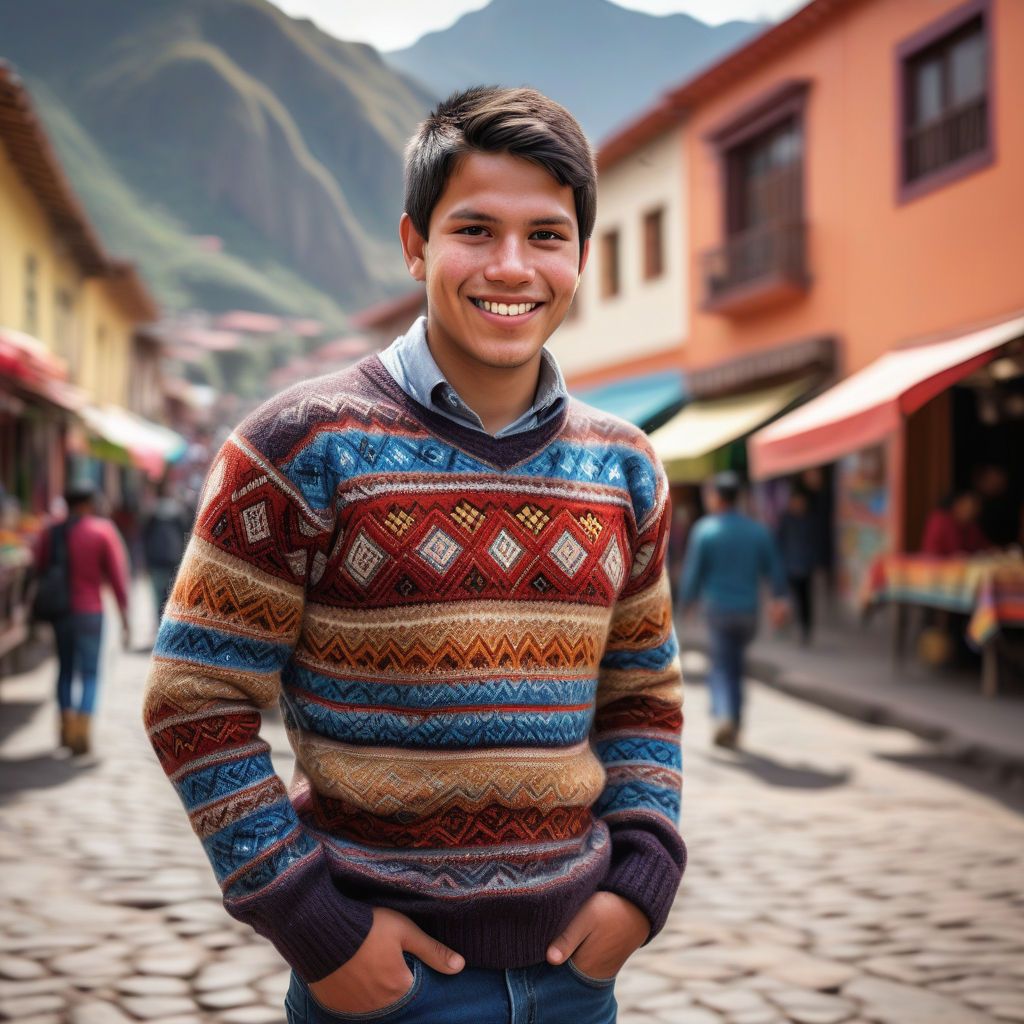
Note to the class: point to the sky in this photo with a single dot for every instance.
(394, 24)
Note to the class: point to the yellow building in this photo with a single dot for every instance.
(76, 364)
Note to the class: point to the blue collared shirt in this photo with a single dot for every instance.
(408, 359)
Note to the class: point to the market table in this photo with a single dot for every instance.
(987, 588)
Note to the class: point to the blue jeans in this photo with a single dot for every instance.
(729, 635)
(79, 637)
(540, 994)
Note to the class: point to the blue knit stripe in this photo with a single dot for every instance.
(640, 750)
(435, 695)
(445, 731)
(220, 780)
(652, 659)
(330, 457)
(245, 840)
(636, 795)
(295, 847)
(208, 646)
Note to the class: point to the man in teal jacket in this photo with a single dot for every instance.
(727, 557)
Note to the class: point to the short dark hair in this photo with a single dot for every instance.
(79, 492)
(490, 119)
(726, 485)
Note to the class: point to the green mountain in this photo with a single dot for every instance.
(182, 120)
(604, 62)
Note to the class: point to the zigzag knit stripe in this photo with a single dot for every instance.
(635, 796)
(523, 692)
(438, 730)
(640, 750)
(477, 872)
(204, 645)
(454, 827)
(211, 784)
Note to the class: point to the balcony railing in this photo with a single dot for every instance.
(958, 133)
(756, 267)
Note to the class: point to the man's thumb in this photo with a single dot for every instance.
(566, 944)
(433, 953)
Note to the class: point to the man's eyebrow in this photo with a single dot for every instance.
(466, 213)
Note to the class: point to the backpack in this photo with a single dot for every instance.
(53, 593)
(163, 541)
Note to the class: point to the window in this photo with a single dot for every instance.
(610, 283)
(763, 178)
(944, 89)
(761, 153)
(31, 317)
(654, 244)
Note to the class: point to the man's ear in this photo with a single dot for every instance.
(414, 248)
(583, 260)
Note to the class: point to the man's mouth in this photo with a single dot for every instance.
(504, 308)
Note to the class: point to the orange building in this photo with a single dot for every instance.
(856, 188)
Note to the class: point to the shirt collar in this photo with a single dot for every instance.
(409, 360)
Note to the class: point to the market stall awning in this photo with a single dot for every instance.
(870, 404)
(35, 370)
(687, 443)
(127, 437)
(637, 399)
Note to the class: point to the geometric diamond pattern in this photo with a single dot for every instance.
(439, 550)
(505, 550)
(611, 562)
(533, 518)
(568, 554)
(254, 519)
(364, 559)
(467, 516)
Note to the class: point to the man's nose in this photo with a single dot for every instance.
(510, 263)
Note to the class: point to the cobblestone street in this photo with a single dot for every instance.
(833, 877)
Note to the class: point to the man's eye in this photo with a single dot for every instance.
(472, 229)
(546, 236)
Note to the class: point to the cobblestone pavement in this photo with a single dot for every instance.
(833, 878)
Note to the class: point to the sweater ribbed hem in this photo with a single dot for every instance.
(647, 872)
(312, 925)
(509, 932)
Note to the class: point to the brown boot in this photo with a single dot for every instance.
(80, 739)
(68, 721)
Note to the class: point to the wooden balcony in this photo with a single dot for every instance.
(960, 132)
(760, 267)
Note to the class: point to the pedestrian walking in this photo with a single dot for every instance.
(164, 533)
(94, 557)
(728, 557)
(452, 575)
(798, 543)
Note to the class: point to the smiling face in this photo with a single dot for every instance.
(501, 266)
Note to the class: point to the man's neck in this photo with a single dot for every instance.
(498, 395)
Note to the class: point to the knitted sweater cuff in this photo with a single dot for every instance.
(314, 927)
(646, 870)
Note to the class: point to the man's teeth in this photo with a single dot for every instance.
(505, 308)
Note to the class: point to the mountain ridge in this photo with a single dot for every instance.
(653, 53)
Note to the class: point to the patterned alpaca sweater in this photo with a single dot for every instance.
(471, 642)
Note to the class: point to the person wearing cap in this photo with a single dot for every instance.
(96, 557)
(728, 555)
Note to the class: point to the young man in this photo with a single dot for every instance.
(728, 557)
(451, 574)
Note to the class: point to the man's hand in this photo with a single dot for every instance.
(377, 975)
(602, 936)
(778, 612)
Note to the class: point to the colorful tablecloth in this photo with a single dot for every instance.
(990, 589)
